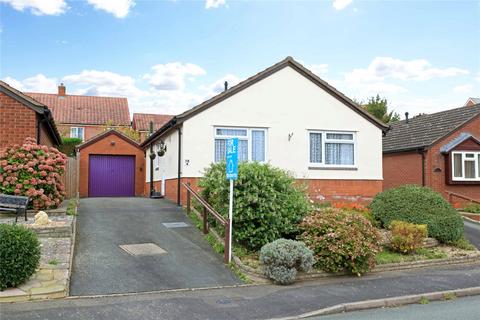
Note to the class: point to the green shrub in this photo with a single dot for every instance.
(472, 208)
(19, 255)
(267, 203)
(419, 205)
(407, 237)
(283, 258)
(68, 146)
(341, 240)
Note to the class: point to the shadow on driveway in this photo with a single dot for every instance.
(100, 266)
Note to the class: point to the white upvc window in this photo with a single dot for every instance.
(332, 149)
(466, 166)
(252, 143)
(77, 132)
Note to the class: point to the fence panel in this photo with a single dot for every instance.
(70, 178)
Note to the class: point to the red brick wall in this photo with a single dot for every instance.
(361, 191)
(17, 121)
(45, 137)
(435, 160)
(402, 168)
(121, 147)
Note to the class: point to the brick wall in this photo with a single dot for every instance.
(17, 121)
(45, 137)
(360, 191)
(89, 131)
(121, 147)
(402, 168)
(435, 165)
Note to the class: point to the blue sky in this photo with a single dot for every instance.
(167, 56)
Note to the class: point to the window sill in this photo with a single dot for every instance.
(333, 168)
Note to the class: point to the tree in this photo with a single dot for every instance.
(128, 131)
(378, 107)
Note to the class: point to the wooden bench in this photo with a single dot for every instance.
(17, 204)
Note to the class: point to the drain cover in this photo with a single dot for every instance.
(175, 225)
(142, 249)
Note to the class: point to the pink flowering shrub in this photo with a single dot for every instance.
(34, 171)
(341, 240)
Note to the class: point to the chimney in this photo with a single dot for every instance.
(62, 90)
(406, 117)
(226, 85)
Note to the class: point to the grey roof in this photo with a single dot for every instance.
(423, 131)
(475, 100)
(455, 142)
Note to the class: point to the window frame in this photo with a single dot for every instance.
(76, 129)
(325, 140)
(475, 159)
(248, 138)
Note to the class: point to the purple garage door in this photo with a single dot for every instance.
(111, 176)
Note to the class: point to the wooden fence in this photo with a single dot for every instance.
(70, 178)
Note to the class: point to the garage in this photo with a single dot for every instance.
(111, 176)
(111, 165)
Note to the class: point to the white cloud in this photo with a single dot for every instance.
(119, 8)
(341, 4)
(171, 76)
(37, 83)
(103, 83)
(214, 3)
(465, 88)
(319, 69)
(39, 7)
(386, 67)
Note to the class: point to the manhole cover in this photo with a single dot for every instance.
(175, 225)
(142, 249)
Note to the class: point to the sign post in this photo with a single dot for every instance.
(232, 174)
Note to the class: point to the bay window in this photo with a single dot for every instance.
(332, 149)
(251, 143)
(465, 166)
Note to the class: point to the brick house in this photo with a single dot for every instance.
(22, 117)
(141, 123)
(111, 165)
(439, 150)
(84, 116)
(284, 115)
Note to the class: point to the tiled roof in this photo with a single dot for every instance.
(141, 121)
(85, 109)
(424, 130)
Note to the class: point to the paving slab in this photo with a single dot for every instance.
(100, 266)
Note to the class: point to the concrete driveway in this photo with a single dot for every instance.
(472, 233)
(100, 266)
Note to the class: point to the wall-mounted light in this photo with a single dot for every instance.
(112, 143)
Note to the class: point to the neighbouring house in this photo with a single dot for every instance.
(22, 116)
(141, 123)
(111, 165)
(84, 117)
(471, 102)
(439, 150)
(284, 115)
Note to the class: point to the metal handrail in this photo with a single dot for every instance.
(207, 208)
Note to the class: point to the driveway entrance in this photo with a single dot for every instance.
(174, 253)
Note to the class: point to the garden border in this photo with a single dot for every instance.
(258, 277)
(469, 219)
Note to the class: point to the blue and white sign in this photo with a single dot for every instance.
(232, 159)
